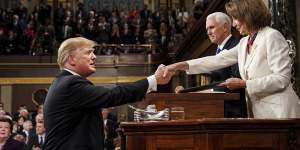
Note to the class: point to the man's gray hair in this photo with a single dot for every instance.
(220, 18)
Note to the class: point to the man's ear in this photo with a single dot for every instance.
(225, 27)
(71, 60)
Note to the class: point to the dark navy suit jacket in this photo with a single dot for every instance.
(232, 109)
(232, 71)
(71, 111)
(12, 144)
(33, 142)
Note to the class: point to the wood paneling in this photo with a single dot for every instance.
(196, 105)
(213, 134)
(22, 95)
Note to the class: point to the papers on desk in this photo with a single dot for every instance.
(201, 88)
(208, 91)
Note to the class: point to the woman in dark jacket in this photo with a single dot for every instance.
(6, 141)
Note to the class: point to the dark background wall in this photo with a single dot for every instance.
(22, 95)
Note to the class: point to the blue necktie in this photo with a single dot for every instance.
(218, 51)
(41, 141)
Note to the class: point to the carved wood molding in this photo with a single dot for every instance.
(292, 139)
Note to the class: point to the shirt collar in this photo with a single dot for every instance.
(224, 41)
(74, 73)
(42, 135)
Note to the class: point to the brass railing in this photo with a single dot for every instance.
(109, 49)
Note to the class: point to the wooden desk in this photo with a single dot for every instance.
(196, 105)
(212, 134)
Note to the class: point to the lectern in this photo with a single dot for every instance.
(196, 105)
(212, 134)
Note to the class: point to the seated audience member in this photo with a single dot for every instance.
(19, 136)
(109, 130)
(24, 113)
(20, 121)
(39, 118)
(28, 129)
(17, 114)
(36, 142)
(6, 141)
(127, 35)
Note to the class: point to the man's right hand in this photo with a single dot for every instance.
(162, 75)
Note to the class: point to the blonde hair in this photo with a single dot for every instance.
(69, 46)
(254, 13)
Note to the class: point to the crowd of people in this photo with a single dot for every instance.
(22, 130)
(75, 110)
(40, 31)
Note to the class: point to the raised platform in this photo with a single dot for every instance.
(212, 134)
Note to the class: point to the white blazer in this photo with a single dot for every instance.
(267, 72)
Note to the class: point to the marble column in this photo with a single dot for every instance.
(6, 97)
(297, 69)
(284, 19)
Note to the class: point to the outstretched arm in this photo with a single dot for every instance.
(171, 69)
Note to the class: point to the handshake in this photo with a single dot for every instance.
(163, 74)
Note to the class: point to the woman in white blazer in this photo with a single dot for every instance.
(264, 63)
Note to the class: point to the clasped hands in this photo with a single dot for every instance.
(163, 74)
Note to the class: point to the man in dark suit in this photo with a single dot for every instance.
(73, 103)
(36, 141)
(218, 26)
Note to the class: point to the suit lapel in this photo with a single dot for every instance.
(246, 64)
(251, 56)
(254, 50)
(243, 58)
(229, 43)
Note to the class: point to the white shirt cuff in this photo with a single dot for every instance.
(152, 83)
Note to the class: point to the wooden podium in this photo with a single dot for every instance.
(196, 105)
(205, 127)
(212, 134)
